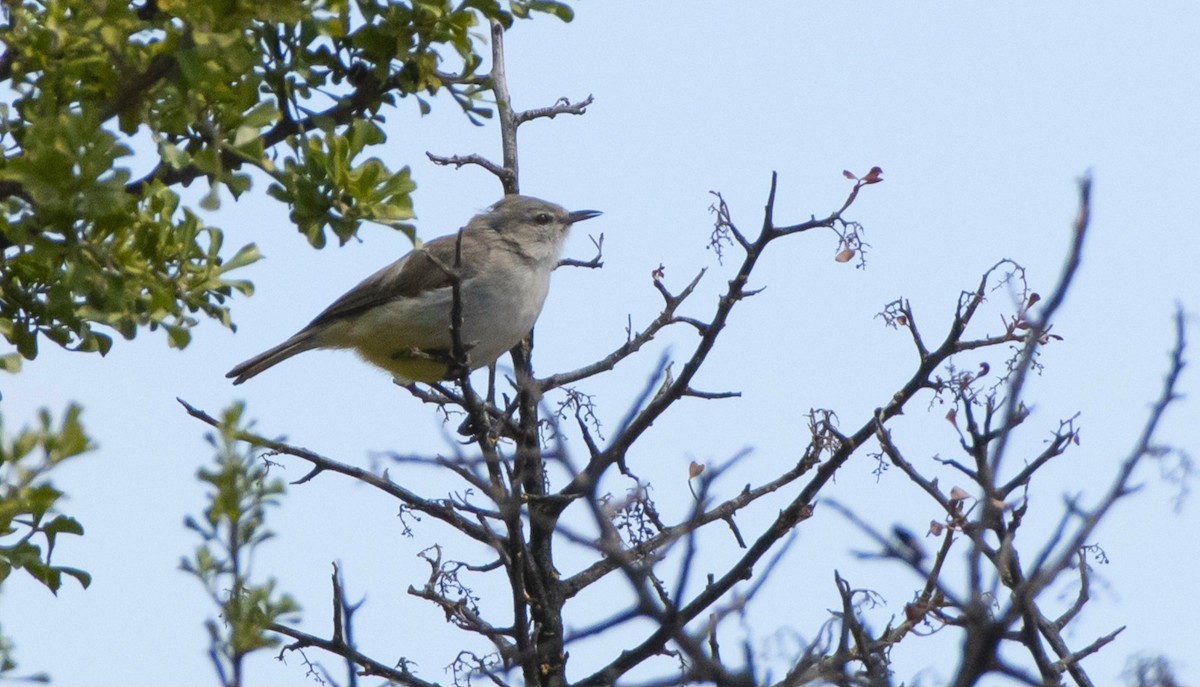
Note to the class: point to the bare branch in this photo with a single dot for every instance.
(596, 262)
(1067, 661)
(561, 106)
(1047, 568)
(369, 665)
(473, 159)
(321, 463)
(511, 179)
(633, 343)
(1040, 326)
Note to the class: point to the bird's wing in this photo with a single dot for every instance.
(408, 277)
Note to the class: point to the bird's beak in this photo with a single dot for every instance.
(580, 215)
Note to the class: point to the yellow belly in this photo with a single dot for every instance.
(406, 367)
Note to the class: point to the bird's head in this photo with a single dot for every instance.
(530, 220)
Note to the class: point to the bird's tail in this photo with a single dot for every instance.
(271, 357)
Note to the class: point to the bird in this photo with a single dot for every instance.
(399, 318)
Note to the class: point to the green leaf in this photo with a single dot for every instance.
(261, 115)
(558, 9)
(211, 200)
(72, 440)
(173, 156)
(63, 524)
(82, 576)
(104, 342)
(39, 499)
(246, 255)
(10, 362)
(50, 577)
(238, 184)
(178, 337)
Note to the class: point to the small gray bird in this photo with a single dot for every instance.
(399, 317)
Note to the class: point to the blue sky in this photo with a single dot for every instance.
(982, 117)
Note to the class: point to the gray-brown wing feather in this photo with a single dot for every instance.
(407, 277)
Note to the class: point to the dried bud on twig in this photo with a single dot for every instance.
(872, 177)
(915, 611)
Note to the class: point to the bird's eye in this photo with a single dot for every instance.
(543, 218)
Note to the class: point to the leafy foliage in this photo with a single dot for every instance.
(29, 522)
(211, 90)
(28, 498)
(232, 527)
